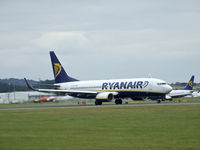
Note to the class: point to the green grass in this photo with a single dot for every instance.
(192, 99)
(117, 128)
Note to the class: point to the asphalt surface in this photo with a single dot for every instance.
(99, 106)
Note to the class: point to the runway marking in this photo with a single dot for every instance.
(99, 106)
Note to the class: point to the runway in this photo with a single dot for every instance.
(99, 106)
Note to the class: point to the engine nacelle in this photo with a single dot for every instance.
(168, 97)
(105, 96)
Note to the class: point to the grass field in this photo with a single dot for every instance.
(117, 128)
(177, 100)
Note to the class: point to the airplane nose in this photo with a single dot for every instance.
(168, 88)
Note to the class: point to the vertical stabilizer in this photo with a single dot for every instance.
(59, 73)
(189, 86)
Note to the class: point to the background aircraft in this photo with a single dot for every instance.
(195, 94)
(188, 90)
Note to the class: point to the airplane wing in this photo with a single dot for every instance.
(89, 94)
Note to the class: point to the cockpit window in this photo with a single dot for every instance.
(161, 83)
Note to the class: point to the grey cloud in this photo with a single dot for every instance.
(101, 39)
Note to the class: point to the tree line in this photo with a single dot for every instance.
(12, 84)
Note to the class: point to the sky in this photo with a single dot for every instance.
(105, 39)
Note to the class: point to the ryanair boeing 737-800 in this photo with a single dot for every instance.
(104, 90)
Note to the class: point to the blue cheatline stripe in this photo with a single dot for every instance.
(133, 91)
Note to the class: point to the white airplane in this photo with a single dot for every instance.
(104, 90)
(196, 94)
(187, 91)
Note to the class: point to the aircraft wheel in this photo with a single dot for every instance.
(118, 101)
(98, 102)
(158, 101)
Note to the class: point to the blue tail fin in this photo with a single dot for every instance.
(59, 73)
(189, 86)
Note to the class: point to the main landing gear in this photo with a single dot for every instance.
(98, 102)
(118, 101)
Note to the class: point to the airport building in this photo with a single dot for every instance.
(34, 96)
(21, 97)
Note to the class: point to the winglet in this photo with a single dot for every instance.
(189, 86)
(29, 85)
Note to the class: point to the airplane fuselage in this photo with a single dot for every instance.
(136, 87)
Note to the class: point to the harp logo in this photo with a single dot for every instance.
(190, 83)
(57, 69)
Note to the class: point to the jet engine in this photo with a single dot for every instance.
(105, 96)
(168, 97)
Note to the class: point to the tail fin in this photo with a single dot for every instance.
(59, 73)
(189, 86)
